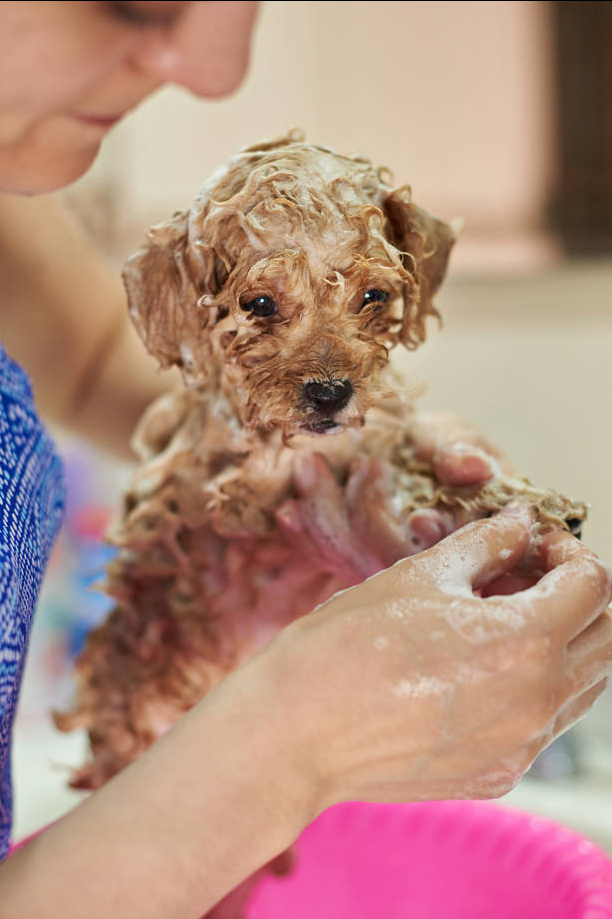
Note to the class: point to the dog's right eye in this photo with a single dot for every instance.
(374, 296)
(260, 306)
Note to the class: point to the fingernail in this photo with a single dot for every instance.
(304, 470)
(427, 526)
(288, 517)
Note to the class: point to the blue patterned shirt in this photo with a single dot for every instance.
(31, 508)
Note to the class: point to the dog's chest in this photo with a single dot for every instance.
(256, 538)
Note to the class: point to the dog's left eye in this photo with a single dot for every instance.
(374, 296)
(260, 306)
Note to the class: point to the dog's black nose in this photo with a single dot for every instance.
(329, 397)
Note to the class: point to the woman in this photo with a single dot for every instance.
(327, 712)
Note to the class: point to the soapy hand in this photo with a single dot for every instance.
(410, 687)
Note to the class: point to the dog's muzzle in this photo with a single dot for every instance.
(325, 399)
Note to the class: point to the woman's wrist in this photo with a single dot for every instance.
(255, 709)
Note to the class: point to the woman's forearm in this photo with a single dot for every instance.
(63, 317)
(216, 798)
(121, 385)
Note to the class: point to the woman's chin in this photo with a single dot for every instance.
(45, 171)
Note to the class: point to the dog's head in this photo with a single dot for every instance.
(287, 284)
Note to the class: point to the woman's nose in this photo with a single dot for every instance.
(206, 50)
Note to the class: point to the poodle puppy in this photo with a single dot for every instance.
(286, 468)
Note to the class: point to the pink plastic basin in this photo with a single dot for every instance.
(438, 860)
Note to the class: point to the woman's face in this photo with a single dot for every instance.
(70, 70)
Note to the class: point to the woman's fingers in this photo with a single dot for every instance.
(560, 546)
(510, 583)
(574, 591)
(460, 454)
(576, 709)
(481, 551)
(589, 655)
(463, 464)
(428, 526)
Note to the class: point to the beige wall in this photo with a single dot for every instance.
(454, 97)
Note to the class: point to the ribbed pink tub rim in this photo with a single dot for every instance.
(439, 860)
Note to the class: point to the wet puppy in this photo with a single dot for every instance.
(285, 470)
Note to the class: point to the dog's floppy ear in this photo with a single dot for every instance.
(426, 243)
(164, 280)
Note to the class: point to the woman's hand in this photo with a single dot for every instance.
(461, 455)
(410, 687)
(355, 529)
(405, 687)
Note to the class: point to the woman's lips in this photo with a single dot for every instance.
(99, 121)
